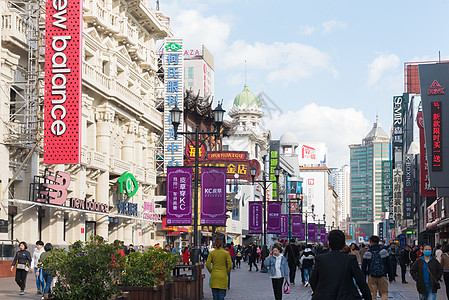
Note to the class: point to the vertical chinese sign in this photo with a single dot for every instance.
(437, 152)
(179, 196)
(398, 125)
(173, 85)
(274, 217)
(433, 81)
(408, 186)
(274, 162)
(387, 185)
(62, 103)
(213, 196)
(424, 184)
(284, 226)
(255, 217)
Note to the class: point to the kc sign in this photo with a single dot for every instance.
(62, 104)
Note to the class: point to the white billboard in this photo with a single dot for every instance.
(312, 154)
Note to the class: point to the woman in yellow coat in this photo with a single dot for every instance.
(221, 267)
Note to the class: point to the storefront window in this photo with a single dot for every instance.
(91, 229)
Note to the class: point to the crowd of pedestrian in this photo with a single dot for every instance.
(336, 270)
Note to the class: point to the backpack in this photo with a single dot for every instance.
(377, 268)
(239, 254)
(205, 251)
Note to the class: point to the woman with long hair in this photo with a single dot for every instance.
(278, 270)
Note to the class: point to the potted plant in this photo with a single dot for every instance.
(87, 270)
(148, 273)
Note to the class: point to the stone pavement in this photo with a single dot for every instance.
(244, 285)
(255, 285)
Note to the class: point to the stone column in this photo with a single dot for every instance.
(104, 118)
(130, 130)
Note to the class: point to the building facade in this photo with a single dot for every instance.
(246, 114)
(199, 75)
(120, 127)
(340, 181)
(366, 180)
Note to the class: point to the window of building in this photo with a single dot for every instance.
(190, 83)
(190, 72)
(91, 229)
(10, 226)
(236, 212)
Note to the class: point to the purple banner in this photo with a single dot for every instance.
(179, 196)
(255, 217)
(274, 217)
(302, 232)
(213, 196)
(297, 231)
(312, 233)
(323, 236)
(284, 226)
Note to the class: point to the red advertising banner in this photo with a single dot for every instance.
(424, 183)
(62, 104)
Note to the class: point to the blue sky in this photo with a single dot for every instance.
(330, 66)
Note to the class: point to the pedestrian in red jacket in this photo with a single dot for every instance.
(186, 255)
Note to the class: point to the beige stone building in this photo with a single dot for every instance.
(120, 123)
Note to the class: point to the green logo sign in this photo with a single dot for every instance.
(172, 47)
(129, 181)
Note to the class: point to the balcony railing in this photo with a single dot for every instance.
(14, 27)
(120, 91)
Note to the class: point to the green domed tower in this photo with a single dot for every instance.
(246, 98)
(246, 111)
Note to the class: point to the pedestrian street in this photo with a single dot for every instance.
(255, 285)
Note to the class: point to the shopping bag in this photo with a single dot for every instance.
(286, 287)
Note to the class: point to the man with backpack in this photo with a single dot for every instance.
(377, 266)
(204, 252)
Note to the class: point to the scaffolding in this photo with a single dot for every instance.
(25, 124)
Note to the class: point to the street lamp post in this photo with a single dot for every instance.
(307, 229)
(175, 115)
(265, 187)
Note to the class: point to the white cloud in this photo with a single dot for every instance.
(338, 128)
(306, 30)
(196, 29)
(383, 65)
(333, 25)
(289, 62)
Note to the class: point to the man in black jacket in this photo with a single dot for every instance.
(334, 273)
(404, 261)
(376, 265)
(292, 255)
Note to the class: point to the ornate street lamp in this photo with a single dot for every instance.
(176, 114)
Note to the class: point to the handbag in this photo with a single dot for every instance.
(286, 287)
(23, 267)
(438, 286)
